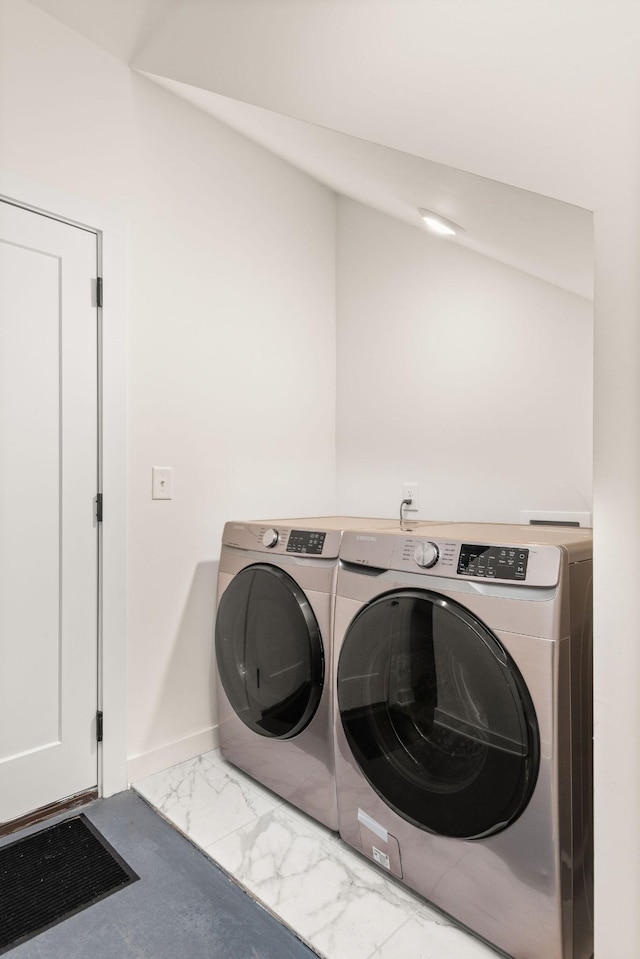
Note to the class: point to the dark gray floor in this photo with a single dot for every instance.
(183, 906)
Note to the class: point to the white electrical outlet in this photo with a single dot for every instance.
(161, 482)
(411, 490)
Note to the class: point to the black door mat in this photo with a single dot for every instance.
(53, 874)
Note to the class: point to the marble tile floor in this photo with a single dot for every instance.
(338, 903)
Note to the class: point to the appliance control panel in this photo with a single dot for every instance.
(493, 562)
(310, 542)
(322, 544)
(304, 542)
(531, 565)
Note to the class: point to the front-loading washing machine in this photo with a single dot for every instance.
(274, 654)
(464, 725)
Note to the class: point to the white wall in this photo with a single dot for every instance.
(454, 370)
(232, 382)
(231, 338)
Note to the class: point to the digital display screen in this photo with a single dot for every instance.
(303, 541)
(493, 562)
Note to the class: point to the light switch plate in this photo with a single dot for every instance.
(161, 482)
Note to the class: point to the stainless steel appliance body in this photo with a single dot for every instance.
(274, 654)
(464, 724)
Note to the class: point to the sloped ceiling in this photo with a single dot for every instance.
(167, 40)
(119, 26)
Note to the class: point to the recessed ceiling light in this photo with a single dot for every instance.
(438, 224)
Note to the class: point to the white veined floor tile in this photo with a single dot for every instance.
(331, 898)
(204, 799)
(429, 936)
(216, 758)
(343, 906)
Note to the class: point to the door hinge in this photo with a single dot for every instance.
(99, 291)
(99, 726)
(98, 507)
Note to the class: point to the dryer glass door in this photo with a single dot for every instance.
(269, 651)
(437, 715)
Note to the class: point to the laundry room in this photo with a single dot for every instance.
(298, 344)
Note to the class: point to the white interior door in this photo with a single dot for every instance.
(48, 534)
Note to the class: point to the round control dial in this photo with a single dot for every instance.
(270, 538)
(426, 555)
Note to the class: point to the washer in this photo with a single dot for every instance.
(274, 639)
(464, 725)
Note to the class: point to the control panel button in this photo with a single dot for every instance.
(426, 555)
(306, 541)
(493, 562)
(270, 538)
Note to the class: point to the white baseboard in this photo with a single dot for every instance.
(138, 767)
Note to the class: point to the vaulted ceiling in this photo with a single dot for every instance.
(221, 56)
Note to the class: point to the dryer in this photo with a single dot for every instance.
(273, 640)
(464, 725)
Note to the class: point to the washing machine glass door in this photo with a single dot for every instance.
(437, 715)
(269, 651)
